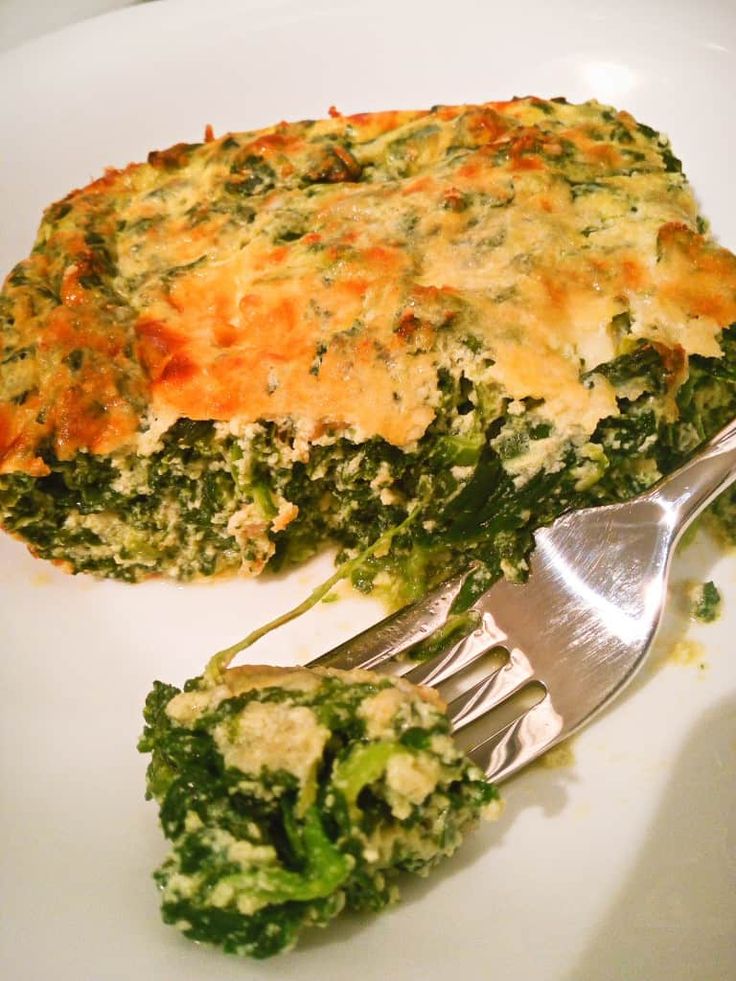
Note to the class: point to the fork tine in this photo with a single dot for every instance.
(491, 690)
(503, 752)
(587, 614)
(380, 645)
(483, 639)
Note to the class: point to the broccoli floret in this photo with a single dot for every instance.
(291, 794)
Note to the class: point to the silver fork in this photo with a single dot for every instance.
(576, 632)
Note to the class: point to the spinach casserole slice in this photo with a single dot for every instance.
(415, 335)
(288, 795)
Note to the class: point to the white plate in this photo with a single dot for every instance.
(619, 866)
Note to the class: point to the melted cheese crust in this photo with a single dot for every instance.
(325, 272)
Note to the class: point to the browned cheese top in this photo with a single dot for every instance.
(325, 273)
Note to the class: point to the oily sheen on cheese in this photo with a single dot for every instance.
(241, 349)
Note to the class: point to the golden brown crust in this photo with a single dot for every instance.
(326, 272)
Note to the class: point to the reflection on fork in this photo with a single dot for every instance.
(566, 642)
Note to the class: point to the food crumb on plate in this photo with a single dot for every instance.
(690, 653)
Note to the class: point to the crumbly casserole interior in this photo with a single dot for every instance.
(288, 795)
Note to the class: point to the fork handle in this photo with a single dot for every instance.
(686, 492)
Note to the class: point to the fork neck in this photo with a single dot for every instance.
(684, 494)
